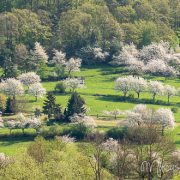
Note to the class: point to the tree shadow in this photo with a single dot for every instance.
(9, 139)
(115, 98)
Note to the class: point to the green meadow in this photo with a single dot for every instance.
(99, 95)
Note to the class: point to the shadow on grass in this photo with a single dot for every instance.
(104, 127)
(115, 98)
(9, 139)
(177, 142)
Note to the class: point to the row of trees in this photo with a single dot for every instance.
(76, 105)
(142, 154)
(21, 122)
(139, 85)
(22, 60)
(155, 58)
(16, 87)
(141, 115)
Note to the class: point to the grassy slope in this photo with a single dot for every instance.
(100, 81)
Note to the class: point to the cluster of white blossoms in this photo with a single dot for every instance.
(128, 54)
(37, 90)
(99, 54)
(40, 52)
(154, 58)
(22, 122)
(29, 78)
(66, 139)
(14, 87)
(110, 145)
(4, 160)
(59, 58)
(139, 85)
(159, 66)
(114, 113)
(73, 84)
(83, 119)
(141, 114)
(71, 65)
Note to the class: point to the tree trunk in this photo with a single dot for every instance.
(138, 95)
(168, 99)
(162, 131)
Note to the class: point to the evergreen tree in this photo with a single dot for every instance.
(49, 105)
(9, 106)
(58, 112)
(75, 105)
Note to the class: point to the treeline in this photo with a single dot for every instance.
(74, 26)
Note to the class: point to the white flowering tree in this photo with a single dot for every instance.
(139, 115)
(169, 91)
(59, 58)
(99, 54)
(113, 113)
(37, 90)
(139, 85)
(73, 65)
(155, 58)
(136, 67)
(66, 139)
(83, 119)
(72, 84)
(158, 66)
(165, 118)
(110, 145)
(155, 51)
(40, 52)
(34, 123)
(12, 87)
(123, 84)
(22, 122)
(155, 88)
(128, 53)
(29, 78)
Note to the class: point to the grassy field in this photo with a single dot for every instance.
(99, 95)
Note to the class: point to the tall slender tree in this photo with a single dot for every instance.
(49, 105)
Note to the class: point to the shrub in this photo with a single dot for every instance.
(52, 131)
(60, 87)
(78, 131)
(116, 133)
(131, 96)
(174, 109)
